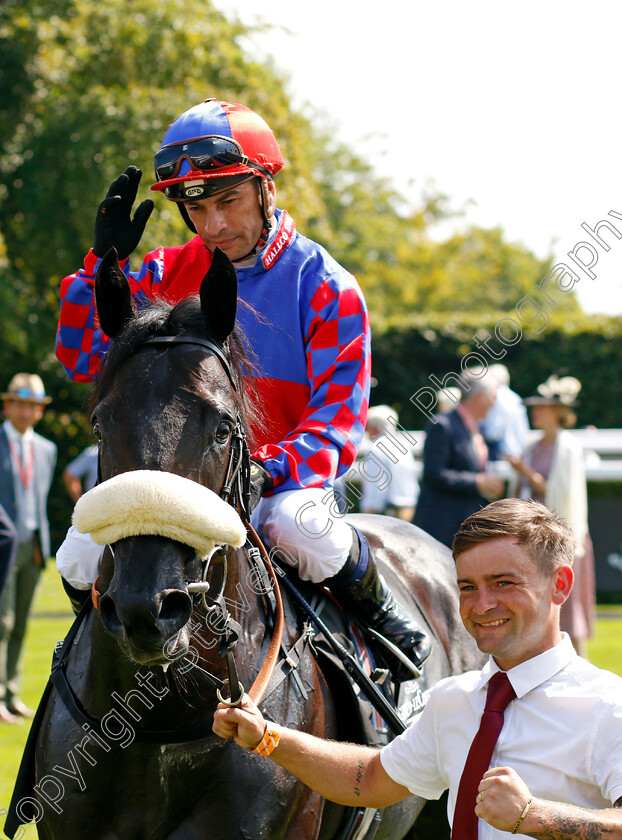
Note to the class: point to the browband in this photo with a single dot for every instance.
(201, 342)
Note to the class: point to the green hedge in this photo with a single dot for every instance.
(406, 353)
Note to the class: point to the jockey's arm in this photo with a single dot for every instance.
(349, 774)
(325, 441)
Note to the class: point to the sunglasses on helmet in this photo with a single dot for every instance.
(203, 154)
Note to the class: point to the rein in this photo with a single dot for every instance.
(236, 489)
(260, 684)
(190, 733)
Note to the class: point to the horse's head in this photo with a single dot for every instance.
(170, 399)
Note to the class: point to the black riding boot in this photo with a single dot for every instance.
(364, 593)
(77, 597)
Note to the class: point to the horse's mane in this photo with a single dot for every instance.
(183, 318)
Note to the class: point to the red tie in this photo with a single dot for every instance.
(500, 692)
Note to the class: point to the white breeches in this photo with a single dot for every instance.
(308, 528)
(78, 558)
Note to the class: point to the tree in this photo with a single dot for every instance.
(89, 87)
(95, 88)
(395, 250)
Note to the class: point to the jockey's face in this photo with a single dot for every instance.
(231, 220)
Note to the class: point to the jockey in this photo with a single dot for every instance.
(307, 323)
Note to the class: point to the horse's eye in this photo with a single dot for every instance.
(223, 431)
(97, 431)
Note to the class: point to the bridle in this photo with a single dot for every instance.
(236, 492)
(236, 487)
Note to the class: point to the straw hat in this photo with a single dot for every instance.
(556, 391)
(26, 387)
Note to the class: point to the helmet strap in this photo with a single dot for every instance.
(267, 209)
(185, 216)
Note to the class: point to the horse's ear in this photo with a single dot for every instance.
(113, 297)
(219, 295)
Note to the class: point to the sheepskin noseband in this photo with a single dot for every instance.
(145, 502)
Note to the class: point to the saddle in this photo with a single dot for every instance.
(338, 644)
(372, 708)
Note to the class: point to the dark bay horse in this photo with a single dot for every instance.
(145, 667)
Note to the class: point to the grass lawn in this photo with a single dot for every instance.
(52, 618)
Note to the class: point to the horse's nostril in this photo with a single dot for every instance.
(109, 615)
(176, 606)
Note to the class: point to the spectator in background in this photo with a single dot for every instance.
(80, 475)
(447, 399)
(506, 426)
(552, 470)
(8, 546)
(455, 482)
(27, 463)
(396, 490)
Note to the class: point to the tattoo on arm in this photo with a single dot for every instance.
(359, 776)
(586, 826)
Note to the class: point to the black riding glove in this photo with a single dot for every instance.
(113, 226)
(261, 481)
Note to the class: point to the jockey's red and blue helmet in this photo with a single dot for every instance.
(212, 141)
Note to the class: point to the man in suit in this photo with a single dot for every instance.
(8, 546)
(27, 462)
(455, 483)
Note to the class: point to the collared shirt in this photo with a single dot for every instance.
(22, 459)
(562, 734)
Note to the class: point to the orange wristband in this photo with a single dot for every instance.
(270, 740)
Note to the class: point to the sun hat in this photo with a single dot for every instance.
(556, 391)
(382, 415)
(26, 387)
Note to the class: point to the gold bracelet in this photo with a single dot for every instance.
(270, 740)
(523, 815)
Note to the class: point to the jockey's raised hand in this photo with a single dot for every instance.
(114, 226)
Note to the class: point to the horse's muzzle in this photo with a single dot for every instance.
(144, 626)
